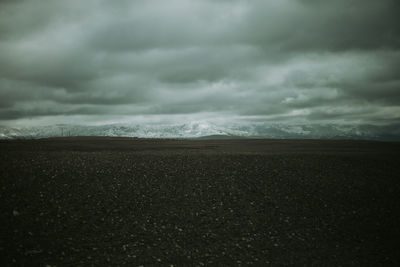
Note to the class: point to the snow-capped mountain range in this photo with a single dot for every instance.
(205, 129)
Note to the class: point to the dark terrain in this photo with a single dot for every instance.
(119, 201)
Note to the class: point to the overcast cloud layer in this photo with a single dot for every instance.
(284, 61)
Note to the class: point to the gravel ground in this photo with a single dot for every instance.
(116, 202)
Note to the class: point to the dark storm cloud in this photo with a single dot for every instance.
(283, 60)
(325, 25)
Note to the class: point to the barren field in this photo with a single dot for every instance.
(119, 201)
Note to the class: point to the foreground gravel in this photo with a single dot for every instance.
(192, 203)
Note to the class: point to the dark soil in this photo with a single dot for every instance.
(117, 201)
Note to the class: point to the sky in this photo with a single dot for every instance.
(281, 61)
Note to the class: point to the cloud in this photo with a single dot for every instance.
(288, 61)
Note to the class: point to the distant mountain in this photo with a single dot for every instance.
(207, 130)
(10, 133)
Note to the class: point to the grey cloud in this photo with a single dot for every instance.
(324, 25)
(303, 60)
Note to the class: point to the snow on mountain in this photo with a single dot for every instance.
(203, 129)
(10, 133)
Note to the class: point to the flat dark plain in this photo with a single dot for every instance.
(97, 201)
